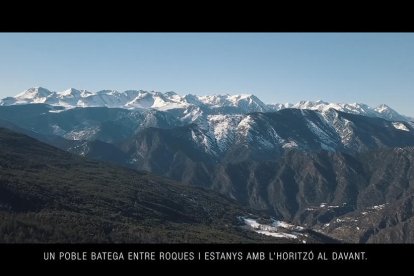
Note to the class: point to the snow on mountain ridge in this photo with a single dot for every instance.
(223, 104)
(36, 94)
(34, 91)
(381, 111)
(222, 127)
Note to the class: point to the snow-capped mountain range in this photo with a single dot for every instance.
(219, 123)
(192, 106)
(132, 99)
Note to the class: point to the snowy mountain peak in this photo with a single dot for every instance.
(70, 92)
(390, 113)
(382, 108)
(244, 102)
(34, 92)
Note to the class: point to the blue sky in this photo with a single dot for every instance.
(373, 68)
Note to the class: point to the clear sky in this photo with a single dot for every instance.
(372, 68)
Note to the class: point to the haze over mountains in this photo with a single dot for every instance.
(320, 165)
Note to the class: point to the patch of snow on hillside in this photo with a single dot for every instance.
(203, 140)
(400, 126)
(377, 207)
(279, 229)
(245, 125)
(290, 144)
(84, 134)
(56, 110)
(223, 128)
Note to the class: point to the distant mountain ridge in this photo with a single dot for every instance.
(193, 105)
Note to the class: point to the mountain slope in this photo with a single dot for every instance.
(106, 124)
(179, 152)
(385, 223)
(331, 191)
(48, 195)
